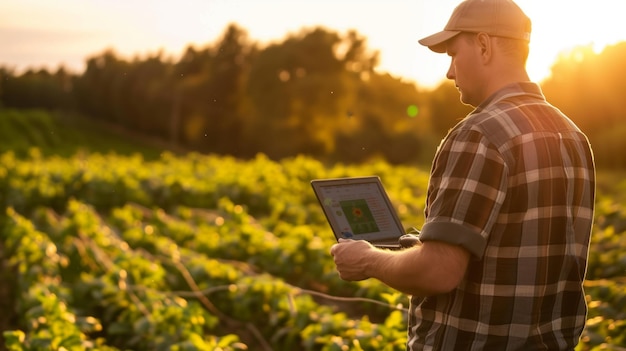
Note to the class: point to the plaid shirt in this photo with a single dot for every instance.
(513, 183)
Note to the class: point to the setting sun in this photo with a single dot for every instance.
(560, 26)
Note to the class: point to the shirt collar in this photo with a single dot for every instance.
(512, 90)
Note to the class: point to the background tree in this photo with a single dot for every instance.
(210, 93)
(298, 89)
(99, 89)
(36, 89)
(316, 92)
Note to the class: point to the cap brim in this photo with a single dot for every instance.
(437, 41)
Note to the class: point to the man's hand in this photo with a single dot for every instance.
(431, 268)
(351, 258)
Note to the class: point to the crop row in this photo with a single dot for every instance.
(202, 252)
(141, 290)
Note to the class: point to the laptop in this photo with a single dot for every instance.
(359, 208)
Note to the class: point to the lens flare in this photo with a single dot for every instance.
(412, 111)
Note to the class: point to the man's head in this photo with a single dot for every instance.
(487, 41)
(498, 18)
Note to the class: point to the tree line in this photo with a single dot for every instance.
(317, 92)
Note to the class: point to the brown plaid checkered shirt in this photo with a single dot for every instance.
(514, 183)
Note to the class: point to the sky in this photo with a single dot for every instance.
(51, 33)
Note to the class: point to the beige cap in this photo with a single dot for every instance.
(500, 18)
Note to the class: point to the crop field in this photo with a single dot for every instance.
(200, 252)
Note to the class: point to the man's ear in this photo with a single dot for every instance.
(485, 45)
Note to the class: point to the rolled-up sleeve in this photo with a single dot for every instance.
(466, 191)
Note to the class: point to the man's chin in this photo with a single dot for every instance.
(466, 100)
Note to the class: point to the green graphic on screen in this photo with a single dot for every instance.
(359, 216)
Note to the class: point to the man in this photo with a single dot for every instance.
(509, 208)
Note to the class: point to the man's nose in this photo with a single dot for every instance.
(451, 74)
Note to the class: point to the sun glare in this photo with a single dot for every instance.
(561, 26)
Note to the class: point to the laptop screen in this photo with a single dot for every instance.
(358, 208)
